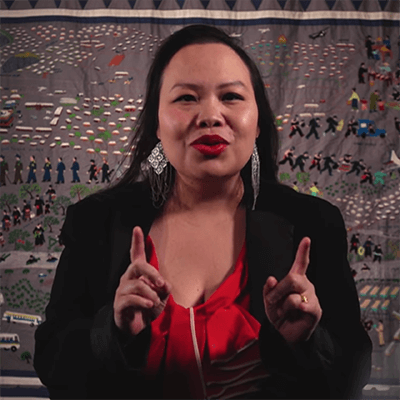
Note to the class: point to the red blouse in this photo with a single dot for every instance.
(210, 350)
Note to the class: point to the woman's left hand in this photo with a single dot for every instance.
(291, 305)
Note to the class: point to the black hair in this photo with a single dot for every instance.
(145, 137)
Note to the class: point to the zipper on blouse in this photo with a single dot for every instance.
(196, 351)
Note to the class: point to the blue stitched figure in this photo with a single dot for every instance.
(32, 170)
(75, 169)
(47, 169)
(60, 169)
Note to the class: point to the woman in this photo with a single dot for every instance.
(354, 99)
(216, 293)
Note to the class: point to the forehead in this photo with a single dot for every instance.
(214, 61)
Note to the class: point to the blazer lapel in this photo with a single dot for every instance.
(123, 221)
(269, 242)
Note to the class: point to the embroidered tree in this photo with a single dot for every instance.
(79, 190)
(26, 356)
(18, 238)
(303, 177)
(31, 190)
(50, 221)
(7, 200)
(284, 176)
(60, 204)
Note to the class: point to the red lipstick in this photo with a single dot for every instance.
(210, 145)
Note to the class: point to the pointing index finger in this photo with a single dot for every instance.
(302, 260)
(137, 247)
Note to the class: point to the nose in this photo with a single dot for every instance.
(209, 114)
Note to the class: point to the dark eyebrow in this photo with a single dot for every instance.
(195, 86)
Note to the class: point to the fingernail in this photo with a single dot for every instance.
(159, 282)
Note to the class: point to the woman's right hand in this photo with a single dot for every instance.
(142, 292)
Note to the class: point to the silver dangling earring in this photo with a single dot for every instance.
(160, 176)
(255, 174)
(157, 159)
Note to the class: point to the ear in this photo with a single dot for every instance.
(158, 132)
(258, 132)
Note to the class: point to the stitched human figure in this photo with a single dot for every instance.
(39, 203)
(3, 170)
(329, 164)
(6, 221)
(93, 172)
(373, 101)
(38, 234)
(32, 170)
(295, 127)
(316, 161)
(354, 242)
(16, 216)
(26, 211)
(75, 169)
(354, 99)
(378, 253)
(379, 177)
(361, 71)
(288, 157)
(18, 170)
(368, 247)
(313, 124)
(357, 167)
(301, 161)
(60, 169)
(105, 171)
(332, 124)
(367, 176)
(351, 127)
(47, 169)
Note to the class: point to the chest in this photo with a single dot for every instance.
(197, 260)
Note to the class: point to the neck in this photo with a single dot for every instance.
(211, 195)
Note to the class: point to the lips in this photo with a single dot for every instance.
(210, 140)
(210, 145)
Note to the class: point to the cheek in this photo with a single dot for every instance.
(247, 124)
(248, 132)
(171, 124)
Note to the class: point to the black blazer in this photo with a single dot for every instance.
(79, 353)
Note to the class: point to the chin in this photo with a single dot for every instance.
(211, 169)
(216, 174)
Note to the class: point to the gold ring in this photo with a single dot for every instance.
(303, 298)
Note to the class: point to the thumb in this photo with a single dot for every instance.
(137, 246)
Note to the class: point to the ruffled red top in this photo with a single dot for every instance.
(210, 350)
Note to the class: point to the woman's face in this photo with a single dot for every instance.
(208, 116)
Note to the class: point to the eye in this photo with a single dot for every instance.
(232, 96)
(186, 97)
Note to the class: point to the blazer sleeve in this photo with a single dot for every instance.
(78, 347)
(336, 361)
